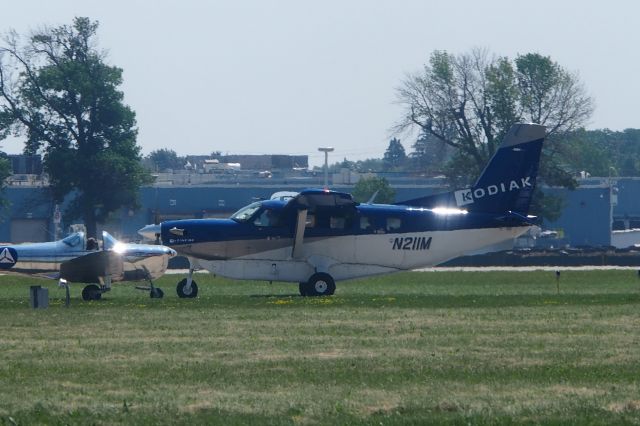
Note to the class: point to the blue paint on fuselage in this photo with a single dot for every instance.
(362, 219)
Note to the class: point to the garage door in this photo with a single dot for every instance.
(28, 231)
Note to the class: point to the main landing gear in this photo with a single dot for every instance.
(187, 288)
(92, 292)
(319, 284)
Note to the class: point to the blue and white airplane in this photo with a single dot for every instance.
(319, 237)
(78, 259)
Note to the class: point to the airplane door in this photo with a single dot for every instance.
(273, 233)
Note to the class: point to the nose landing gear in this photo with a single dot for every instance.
(187, 287)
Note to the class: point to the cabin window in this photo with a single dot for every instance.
(393, 224)
(73, 239)
(267, 218)
(365, 223)
(311, 221)
(337, 222)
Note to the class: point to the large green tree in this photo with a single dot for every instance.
(368, 186)
(469, 101)
(57, 90)
(162, 159)
(5, 172)
(429, 155)
(604, 152)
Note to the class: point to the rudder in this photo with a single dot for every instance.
(507, 182)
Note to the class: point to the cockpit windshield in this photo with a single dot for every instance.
(245, 213)
(74, 239)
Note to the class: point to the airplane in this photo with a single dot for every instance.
(78, 259)
(320, 236)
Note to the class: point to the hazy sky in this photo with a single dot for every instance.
(285, 77)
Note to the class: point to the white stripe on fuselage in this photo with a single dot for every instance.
(352, 256)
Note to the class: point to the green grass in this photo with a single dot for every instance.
(423, 347)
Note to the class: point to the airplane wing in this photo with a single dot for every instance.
(91, 267)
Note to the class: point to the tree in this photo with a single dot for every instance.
(57, 90)
(163, 159)
(600, 152)
(471, 100)
(370, 165)
(366, 187)
(395, 156)
(5, 172)
(430, 154)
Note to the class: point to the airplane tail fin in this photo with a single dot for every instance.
(507, 182)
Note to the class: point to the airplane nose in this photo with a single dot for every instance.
(150, 231)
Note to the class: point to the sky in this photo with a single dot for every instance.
(289, 76)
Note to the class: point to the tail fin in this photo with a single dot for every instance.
(507, 182)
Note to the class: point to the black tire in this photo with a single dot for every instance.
(91, 292)
(302, 288)
(182, 294)
(156, 293)
(320, 284)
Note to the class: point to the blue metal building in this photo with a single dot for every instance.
(586, 219)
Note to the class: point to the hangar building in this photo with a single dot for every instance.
(588, 215)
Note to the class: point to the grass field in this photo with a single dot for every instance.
(422, 347)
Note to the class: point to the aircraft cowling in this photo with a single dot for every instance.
(93, 267)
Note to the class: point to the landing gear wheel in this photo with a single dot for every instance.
(91, 292)
(187, 293)
(302, 288)
(156, 293)
(320, 284)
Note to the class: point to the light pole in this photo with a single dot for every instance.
(326, 151)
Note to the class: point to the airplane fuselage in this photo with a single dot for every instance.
(131, 262)
(345, 242)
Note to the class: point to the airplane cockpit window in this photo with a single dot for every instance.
(74, 240)
(245, 213)
(268, 217)
(108, 242)
(92, 244)
(393, 223)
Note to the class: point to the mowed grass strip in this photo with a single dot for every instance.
(422, 347)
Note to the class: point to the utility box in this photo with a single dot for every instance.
(39, 297)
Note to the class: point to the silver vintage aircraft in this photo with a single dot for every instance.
(318, 237)
(78, 259)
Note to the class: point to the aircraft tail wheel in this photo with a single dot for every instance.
(320, 284)
(156, 293)
(91, 292)
(185, 292)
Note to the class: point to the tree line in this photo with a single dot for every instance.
(601, 153)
